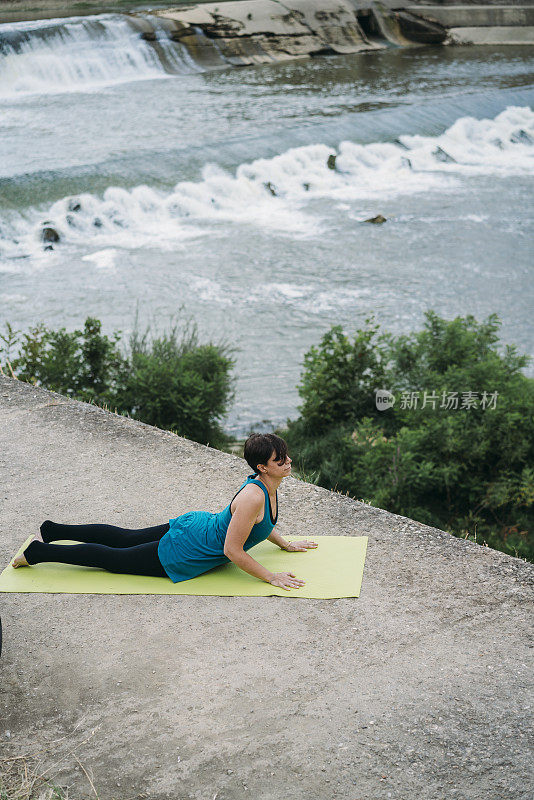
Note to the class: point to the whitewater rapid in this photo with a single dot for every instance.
(277, 193)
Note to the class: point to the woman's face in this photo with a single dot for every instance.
(278, 468)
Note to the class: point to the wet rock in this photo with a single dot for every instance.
(97, 223)
(521, 137)
(74, 205)
(145, 28)
(48, 247)
(306, 187)
(440, 155)
(378, 220)
(417, 29)
(406, 162)
(271, 188)
(254, 32)
(49, 234)
(331, 163)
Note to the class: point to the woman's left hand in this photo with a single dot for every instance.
(300, 547)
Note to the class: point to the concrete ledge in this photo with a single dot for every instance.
(465, 16)
(416, 689)
(464, 3)
(495, 36)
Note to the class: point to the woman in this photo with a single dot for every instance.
(192, 543)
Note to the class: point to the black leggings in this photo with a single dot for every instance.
(129, 551)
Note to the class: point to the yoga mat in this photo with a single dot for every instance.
(333, 569)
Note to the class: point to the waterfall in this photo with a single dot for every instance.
(81, 53)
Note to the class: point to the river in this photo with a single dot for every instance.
(175, 189)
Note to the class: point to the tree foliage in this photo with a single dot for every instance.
(468, 470)
(171, 381)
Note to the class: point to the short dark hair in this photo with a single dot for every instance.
(259, 448)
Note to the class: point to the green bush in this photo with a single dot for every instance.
(465, 470)
(339, 377)
(82, 364)
(179, 385)
(170, 381)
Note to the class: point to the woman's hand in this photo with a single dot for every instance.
(286, 580)
(300, 547)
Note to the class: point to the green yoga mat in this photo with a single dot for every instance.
(333, 569)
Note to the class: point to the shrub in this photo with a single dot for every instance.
(83, 364)
(179, 384)
(465, 470)
(170, 381)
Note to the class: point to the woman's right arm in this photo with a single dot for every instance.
(247, 509)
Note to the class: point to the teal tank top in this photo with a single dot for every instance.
(194, 542)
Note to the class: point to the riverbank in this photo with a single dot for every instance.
(21, 10)
(257, 31)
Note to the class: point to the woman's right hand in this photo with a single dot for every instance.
(286, 580)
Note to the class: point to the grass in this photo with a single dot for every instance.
(25, 777)
(21, 778)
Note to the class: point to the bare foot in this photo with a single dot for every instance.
(20, 561)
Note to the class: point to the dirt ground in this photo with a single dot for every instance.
(419, 689)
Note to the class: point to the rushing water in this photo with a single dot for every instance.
(159, 178)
